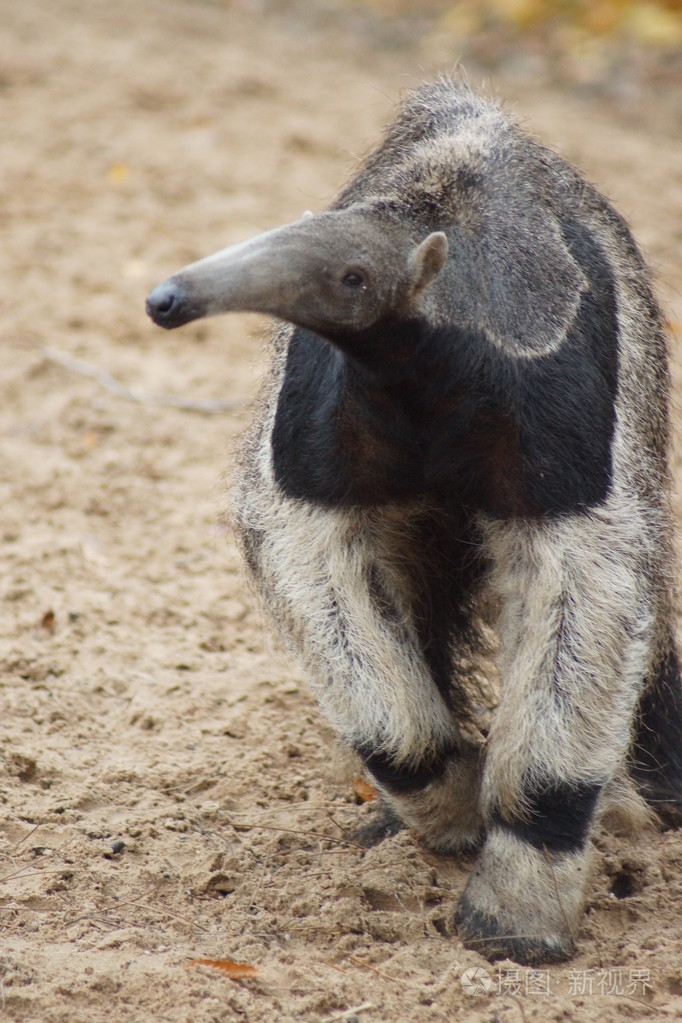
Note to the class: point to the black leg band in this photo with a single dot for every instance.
(403, 778)
(559, 817)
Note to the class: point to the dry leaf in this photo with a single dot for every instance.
(48, 621)
(237, 971)
(118, 173)
(90, 440)
(364, 791)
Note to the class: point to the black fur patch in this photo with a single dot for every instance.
(656, 752)
(400, 778)
(339, 437)
(559, 817)
(404, 411)
(447, 577)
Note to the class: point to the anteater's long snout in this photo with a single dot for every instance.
(169, 305)
(258, 275)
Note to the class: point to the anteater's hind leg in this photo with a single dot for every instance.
(656, 751)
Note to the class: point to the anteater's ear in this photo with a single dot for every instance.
(427, 261)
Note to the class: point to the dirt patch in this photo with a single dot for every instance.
(170, 791)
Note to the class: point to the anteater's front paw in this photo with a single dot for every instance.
(521, 903)
(481, 932)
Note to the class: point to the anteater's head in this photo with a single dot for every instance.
(335, 272)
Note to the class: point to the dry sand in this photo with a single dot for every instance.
(169, 790)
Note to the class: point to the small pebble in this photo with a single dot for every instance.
(116, 847)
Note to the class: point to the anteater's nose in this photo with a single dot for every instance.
(167, 304)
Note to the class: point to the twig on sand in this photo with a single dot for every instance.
(348, 1012)
(374, 969)
(300, 834)
(209, 406)
(24, 837)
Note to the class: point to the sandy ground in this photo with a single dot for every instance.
(169, 790)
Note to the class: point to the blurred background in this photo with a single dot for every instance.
(617, 46)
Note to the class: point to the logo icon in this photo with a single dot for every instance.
(476, 981)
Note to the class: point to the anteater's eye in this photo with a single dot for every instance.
(354, 279)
